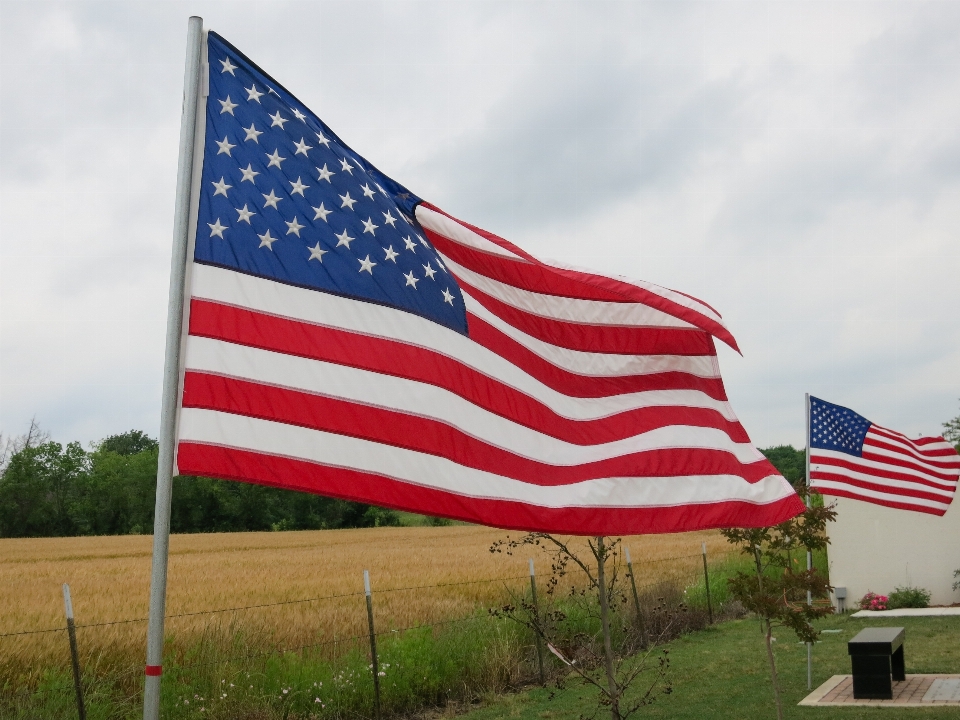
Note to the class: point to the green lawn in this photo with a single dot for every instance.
(722, 672)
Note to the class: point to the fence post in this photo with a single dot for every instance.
(74, 655)
(536, 615)
(706, 580)
(636, 597)
(373, 645)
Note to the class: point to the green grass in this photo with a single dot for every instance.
(722, 672)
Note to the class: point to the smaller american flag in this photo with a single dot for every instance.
(852, 457)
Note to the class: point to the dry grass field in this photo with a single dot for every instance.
(419, 575)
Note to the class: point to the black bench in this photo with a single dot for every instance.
(876, 654)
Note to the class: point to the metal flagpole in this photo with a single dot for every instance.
(171, 370)
(809, 556)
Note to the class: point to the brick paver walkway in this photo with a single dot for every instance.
(915, 691)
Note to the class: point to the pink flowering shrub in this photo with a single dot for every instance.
(872, 601)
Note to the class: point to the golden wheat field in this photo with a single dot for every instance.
(419, 575)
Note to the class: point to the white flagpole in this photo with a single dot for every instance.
(171, 370)
(809, 556)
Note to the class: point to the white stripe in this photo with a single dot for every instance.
(666, 293)
(909, 452)
(827, 485)
(429, 401)
(597, 364)
(919, 464)
(452, 230)
(206, 426)
(554, 307)
(866, 477)
(378, 321)
(818, 454)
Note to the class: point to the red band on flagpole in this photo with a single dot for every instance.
(153, 670)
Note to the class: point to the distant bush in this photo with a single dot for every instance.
(872, 601)
(908, 597)
(956, 585)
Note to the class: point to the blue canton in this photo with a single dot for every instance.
(282, 197)
(833, 427)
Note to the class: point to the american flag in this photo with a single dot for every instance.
(851, 457)
(349, 339)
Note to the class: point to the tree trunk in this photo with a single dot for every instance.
(605, 621)
(773, 671)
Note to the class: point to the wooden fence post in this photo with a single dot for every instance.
(373, 645)
(706, 580)
(636, 597)
(74, 655)
(536, 615)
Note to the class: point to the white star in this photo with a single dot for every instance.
(322, 140)
(391, 254)
(275, 159)
(322, 213)
(367, 190)
(385, 194)
(253, 94)
(367, 264)
(324, 173)
(244, 214)
(300, 116)
(411, 280)
(348, 202)
(302, 147)
(294, 227)
(271, 200)
(346, 167)
(441, 266)
(411, 245)
(369, 227)
(316, 253)
(266, 240)
(429, 271)
(277, 120)
(228, 67)
(389, 219)
(224, 146)
(249, 173)
(226, 106)
(252, 133)
(448, 297)
(217, 229)
(221, 187)
(297, 187)
(424, 242)
(272, 91)
(344, 239)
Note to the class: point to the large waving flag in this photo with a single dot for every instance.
(349, 339)
(854, 458)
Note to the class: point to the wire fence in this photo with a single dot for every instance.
(683, 575)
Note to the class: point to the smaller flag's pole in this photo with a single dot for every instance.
(809, 555)
(171, 370)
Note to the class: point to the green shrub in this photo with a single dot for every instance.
(908, 597)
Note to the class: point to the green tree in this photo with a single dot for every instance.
(951, 431)
(38, 490)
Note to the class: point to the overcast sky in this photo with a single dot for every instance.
(795, 165)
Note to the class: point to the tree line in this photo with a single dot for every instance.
(51, 490)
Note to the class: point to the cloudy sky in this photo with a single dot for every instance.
(796, 165)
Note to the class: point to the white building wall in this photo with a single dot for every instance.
(875, 548)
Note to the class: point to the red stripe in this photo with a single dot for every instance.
(888, 472)
(153, 670)
(548, 280)
(390, 357)
(619, 339)
(877, 486)
(907, 463)
(231, 464)
(390, 427)
(584, 386)
(921, 459)
(885, 503)
(915, 444)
